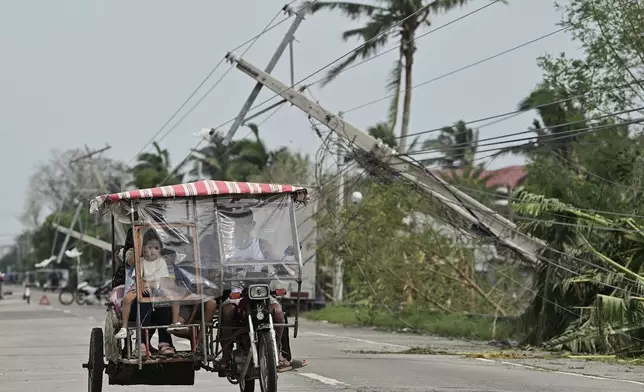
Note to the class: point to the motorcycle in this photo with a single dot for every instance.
(255, 354)
(85, 293)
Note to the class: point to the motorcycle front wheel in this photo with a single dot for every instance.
(267, 362)
(66, 297)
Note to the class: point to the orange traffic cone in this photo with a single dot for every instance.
(44, 300)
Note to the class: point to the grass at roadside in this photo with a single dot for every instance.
(450, 325)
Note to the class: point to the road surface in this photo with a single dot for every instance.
(42, 348)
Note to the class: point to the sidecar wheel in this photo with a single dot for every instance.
(95, 363)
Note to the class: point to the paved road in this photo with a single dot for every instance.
(42, 347)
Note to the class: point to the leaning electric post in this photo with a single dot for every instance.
(481, 219)
(338, 272)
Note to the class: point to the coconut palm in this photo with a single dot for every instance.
(285, 167)
(457, 146)
(388, 20)
(153, 168)
(385, 132)
(238, 161)
(590, 296)
(554, 129)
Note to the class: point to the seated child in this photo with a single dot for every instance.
(154, 269)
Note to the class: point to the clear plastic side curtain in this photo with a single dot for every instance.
(190, 250)
(174, 262)
(257, 240)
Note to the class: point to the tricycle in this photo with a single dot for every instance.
(204, 260)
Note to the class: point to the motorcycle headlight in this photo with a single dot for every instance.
(258, 291)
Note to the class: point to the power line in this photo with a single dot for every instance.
(471, 65)
(511, 114)
(252, 41)
(549, 137)
(397, 47)
(377, 36)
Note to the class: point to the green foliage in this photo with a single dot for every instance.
(250, 160)
(153, 169)
(611, 35)
(452, 324)
(395, 255)
(590, 293)
(457, 146)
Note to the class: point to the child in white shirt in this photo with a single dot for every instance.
(154, 269)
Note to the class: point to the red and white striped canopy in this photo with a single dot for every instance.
(199, 188)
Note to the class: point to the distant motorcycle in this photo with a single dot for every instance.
(85, 293)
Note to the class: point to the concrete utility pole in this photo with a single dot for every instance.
(286, 41)
(482, 219)
(63, 248)
(338, 273)
(119, 230)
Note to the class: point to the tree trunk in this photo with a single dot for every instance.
(409, 48)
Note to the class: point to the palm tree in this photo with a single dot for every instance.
(384, 132)
(153, 169)
(554, 130)
(600, 308)
(407, 17)
(285, 167)
(238, 161)
(457, 146)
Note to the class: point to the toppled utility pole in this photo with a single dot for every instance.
(482, 219)
(338, 270)
(63, 248)
(119, 230)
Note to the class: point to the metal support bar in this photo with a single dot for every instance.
(479, 215)
(299, 17)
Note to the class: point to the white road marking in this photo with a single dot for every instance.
(322, 379)
(67, 311)
(560, 372)
(357, 340)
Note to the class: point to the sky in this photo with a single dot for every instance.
(76, 72)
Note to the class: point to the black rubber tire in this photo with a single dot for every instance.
(247, 386)
(95, 364)
(267, 362)
(68, 295)
(80, 298)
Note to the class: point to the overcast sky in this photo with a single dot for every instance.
(75, 72)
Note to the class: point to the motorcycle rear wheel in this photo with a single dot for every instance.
(66, 297)
(80, 298)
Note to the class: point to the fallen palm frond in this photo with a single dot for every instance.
(590, 286)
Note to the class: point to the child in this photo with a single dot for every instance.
(154, 268)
